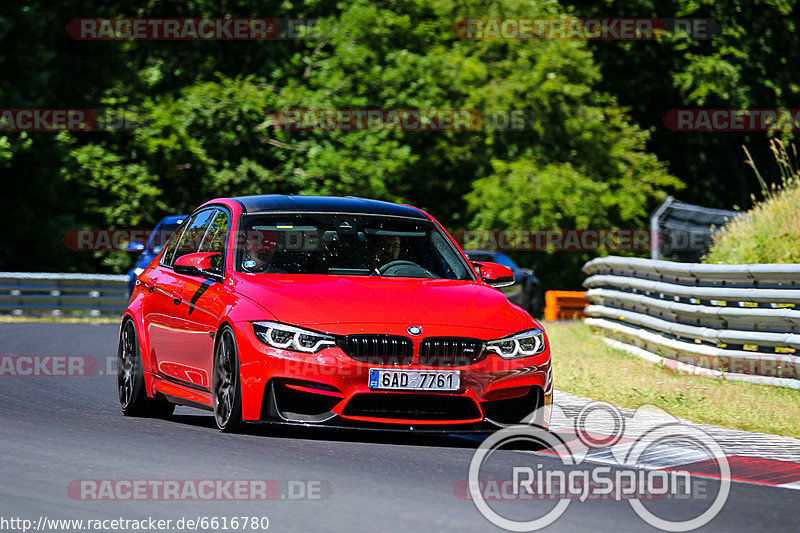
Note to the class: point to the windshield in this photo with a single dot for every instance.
(336, 244)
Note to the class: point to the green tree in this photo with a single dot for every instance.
(750, 64)
(208, 125)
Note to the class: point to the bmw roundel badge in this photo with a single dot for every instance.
(414, 330)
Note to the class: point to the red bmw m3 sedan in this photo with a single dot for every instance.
(325, 311)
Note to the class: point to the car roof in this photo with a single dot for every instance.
(325, 204)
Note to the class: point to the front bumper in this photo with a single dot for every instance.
(329, 388)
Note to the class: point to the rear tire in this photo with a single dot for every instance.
(226, 386)
(131, 394)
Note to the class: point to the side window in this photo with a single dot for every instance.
(172, 243)
(216, 236)
(193, 235)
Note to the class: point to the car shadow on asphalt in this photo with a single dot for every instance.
(324, 433)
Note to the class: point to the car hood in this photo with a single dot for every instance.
(336, 303)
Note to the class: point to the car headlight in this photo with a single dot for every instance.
(523, 344)
(287, 337)
(137, 271)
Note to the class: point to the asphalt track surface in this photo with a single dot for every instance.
(56, 430)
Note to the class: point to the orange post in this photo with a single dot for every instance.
(564, 305)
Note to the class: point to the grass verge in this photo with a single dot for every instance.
(586, 366)
(769, 234)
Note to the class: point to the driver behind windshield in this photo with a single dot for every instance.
(383, 249)
(259, 250)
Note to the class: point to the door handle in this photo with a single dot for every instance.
(177, 297)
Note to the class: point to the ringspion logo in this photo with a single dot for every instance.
(650, 432)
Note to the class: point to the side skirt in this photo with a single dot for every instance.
(182, 395)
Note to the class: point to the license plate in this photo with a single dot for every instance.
(387, 379)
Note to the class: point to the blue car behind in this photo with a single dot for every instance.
(148, 251)
(526, 292)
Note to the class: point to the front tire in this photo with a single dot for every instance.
(131, 394)
(226, 386)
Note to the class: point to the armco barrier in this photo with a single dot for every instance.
(60, 294)
(564, 305)
(730, 319)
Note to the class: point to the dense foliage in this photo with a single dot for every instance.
(769, 232)
(747, 65)
(595, 155)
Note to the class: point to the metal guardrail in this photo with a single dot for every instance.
(733, 319)
(683, 232)
(60, 294)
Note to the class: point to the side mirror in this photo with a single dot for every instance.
(494, 274)
(198, 264)
(134, 247)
